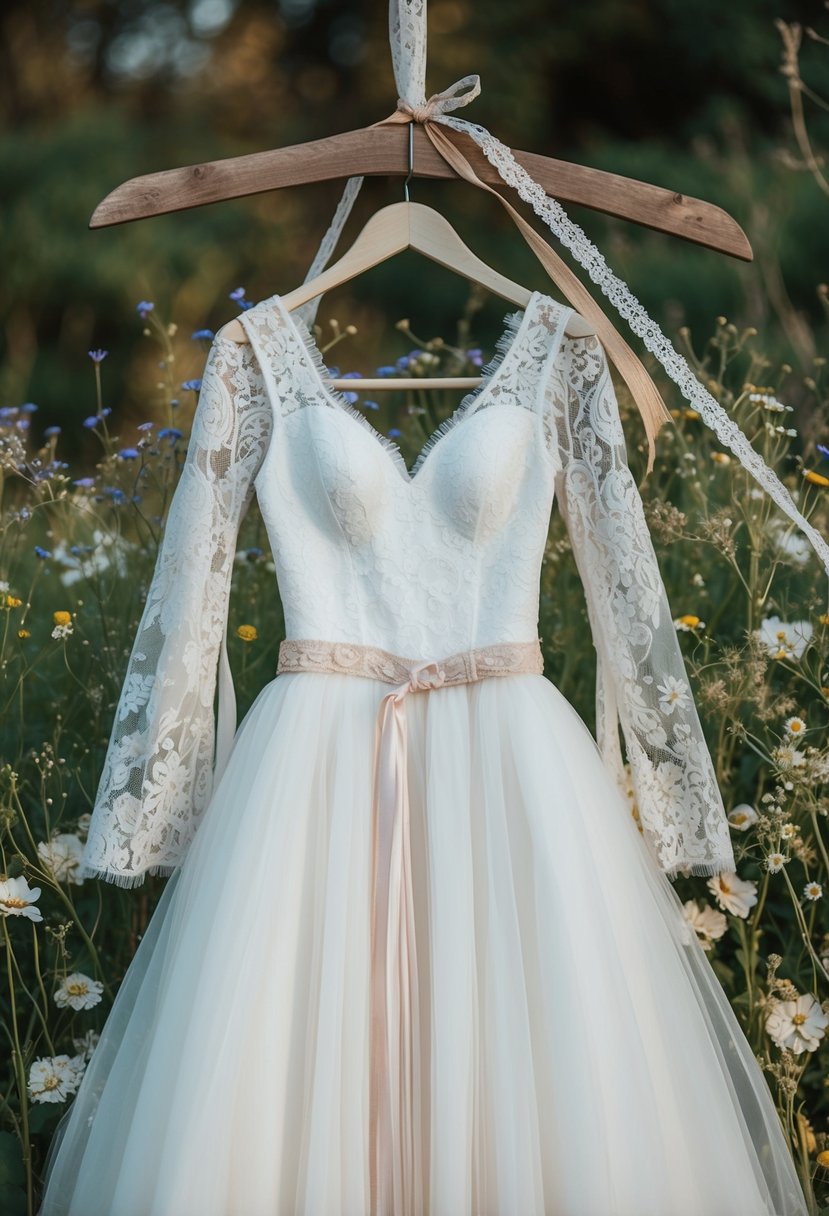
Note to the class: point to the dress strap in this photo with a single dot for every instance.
(394, 1100)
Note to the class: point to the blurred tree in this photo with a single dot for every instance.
(95, 91)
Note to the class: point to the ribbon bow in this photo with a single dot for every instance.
(407, 36)
(441, 103)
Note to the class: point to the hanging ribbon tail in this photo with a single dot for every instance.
(645, 394)
(394, 1095)
(642, 324)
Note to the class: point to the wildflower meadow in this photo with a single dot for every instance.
(78, 545)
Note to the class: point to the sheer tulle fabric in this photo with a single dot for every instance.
(579, 1057)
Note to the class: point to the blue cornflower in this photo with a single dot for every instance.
(128, 453)
(86, 482)
(91, 421)
(145, 426)
(352, 376)
(22, 424)
(8, 411)
(42, 552)
(394, 431)
(144, 308)
(115, 494)
(237, 294)
(191, 385)
(51, 430)
(402, 363)
(823, 450)
(28, 408)
(475, 357)
(97, 356)
(386, 370)
(371, 405)
(202, 333)
(173, 432)
(351, 398)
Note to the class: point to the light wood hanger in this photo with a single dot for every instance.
(383, 151)
(390, 230)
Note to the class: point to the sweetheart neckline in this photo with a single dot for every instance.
(507, 344)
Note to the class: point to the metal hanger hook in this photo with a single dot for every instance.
(411, 162)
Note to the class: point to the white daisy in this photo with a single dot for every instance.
(794, 726)
(674, 694)
(787, 756)
(62, 855)
(54, 1078)
(742, 816)
(17, 898)
(813, 890)
(775, 862)
(782, 640)
(707, 922)
(797, 1025)
(78, 991)
(736, 895)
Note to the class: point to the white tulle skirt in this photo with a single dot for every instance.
(578, 1055)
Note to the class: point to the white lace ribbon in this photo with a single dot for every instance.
(407, 35)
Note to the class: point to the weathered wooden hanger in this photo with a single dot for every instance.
(363, 153)
(383, 151)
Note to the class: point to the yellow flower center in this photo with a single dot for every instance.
(799, 1019)
(11, 901)
(61, 617)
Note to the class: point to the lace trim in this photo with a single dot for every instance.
(374, 663)
(505, 347)
(617, 291)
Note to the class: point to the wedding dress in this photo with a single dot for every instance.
(539, 1033)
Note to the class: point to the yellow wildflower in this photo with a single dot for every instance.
(817, 479)
(12, 601)
(695, 414)
(824, 618)
(823, 1159)
(806, 1131)
(721, 457)
(62, 618)
(693, 622)
(23, 633)
(247, 633)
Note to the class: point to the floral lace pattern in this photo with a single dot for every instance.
(157, 774)
(641, 676)
(375, 663)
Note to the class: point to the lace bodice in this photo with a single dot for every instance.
(423, 563)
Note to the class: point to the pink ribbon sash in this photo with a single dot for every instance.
(394, 1094)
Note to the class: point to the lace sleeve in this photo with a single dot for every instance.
(158, 769)
(640, 676)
